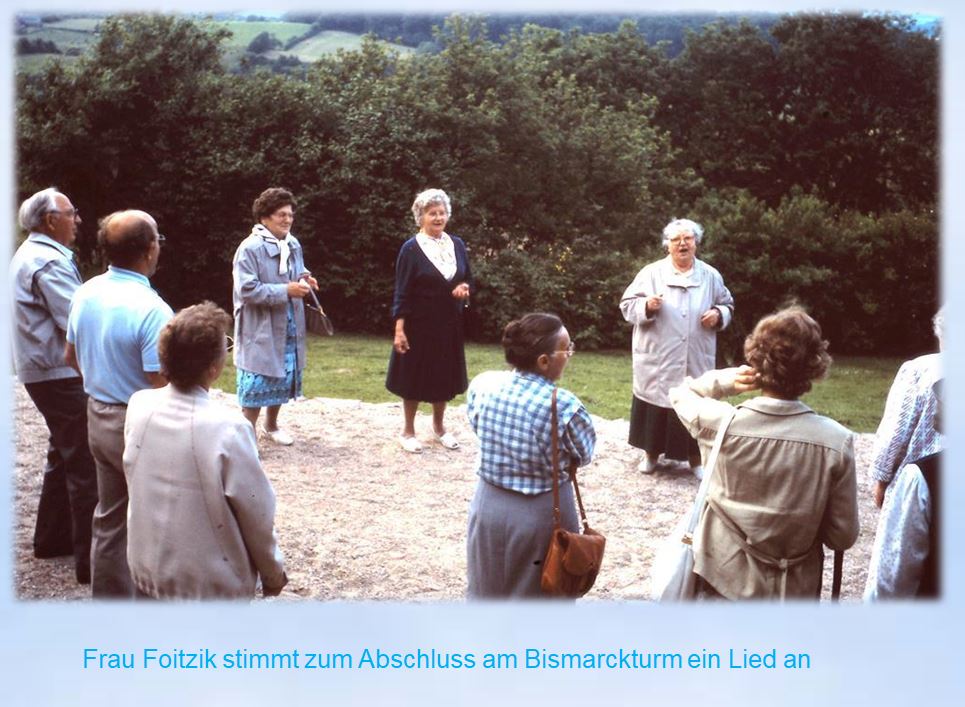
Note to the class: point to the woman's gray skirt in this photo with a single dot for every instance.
(509, 533)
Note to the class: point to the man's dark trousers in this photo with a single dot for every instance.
(69, 493)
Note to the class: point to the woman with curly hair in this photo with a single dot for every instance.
(270, 283)
(200, 521)
(784, 482)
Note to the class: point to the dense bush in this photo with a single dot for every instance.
(852, 271)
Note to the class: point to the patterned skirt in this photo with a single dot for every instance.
(256, 390)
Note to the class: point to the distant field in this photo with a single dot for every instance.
(34, 63)
(244, 32)
(77, 24)
(314, 48)
(79, 33)
(64, 38)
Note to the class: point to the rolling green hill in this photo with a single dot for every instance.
(77, 34)
(314, 48)
(243, 32)
(64, 38)
(76, 24)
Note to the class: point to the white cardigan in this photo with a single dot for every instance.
(201, 513)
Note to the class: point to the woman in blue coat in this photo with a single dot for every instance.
(432, 286)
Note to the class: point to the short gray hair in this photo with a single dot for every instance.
(427, 198)
(682, 225)
(33, 209)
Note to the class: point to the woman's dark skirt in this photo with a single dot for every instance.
(509, 534)
(658, 430)
(433, 370)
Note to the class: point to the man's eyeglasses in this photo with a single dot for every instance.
(69, 213)
(160, 239)
(229, 343)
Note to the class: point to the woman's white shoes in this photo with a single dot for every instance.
(448, 440)
(280, 437)
(410, 444)
(414, 446)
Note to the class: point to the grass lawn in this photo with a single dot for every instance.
(352, 366)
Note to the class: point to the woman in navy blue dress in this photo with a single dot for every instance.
(432, 286)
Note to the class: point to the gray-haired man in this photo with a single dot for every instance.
(43, 278)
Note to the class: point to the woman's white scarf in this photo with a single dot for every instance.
(284, 250)
(440, 251)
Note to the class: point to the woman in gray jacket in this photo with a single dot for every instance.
(676, 305)
(270, 282)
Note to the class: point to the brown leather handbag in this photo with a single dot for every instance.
(572, 560)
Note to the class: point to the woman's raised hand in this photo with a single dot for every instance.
(461, 291)
(653, 303)
(746, 379)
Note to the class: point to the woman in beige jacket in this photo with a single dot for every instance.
(784, 483)
(201, 513)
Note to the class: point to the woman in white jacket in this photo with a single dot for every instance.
(676, 305)
(201, 512)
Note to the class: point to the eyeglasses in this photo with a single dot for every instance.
(568, 351)
(69, 213)
(229, 343)
(160, 239)
(682, 239)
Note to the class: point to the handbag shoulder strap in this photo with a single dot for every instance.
(711, 466)
(719, 441)
(555, 456)
(555, 453)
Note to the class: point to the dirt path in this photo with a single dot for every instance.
(358, 518)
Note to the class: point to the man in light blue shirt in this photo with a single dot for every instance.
(43, 279)
(112, 335)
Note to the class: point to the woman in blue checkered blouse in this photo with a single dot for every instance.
(511, 514)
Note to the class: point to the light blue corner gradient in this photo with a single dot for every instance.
(884, 655)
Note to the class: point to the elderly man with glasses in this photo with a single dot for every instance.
(112, 339)
(43, 279)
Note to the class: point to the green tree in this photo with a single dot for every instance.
(122, 128)
(720, 104)
(262, 43)
(859, 118)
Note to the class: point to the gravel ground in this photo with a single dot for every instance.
(358, 518)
